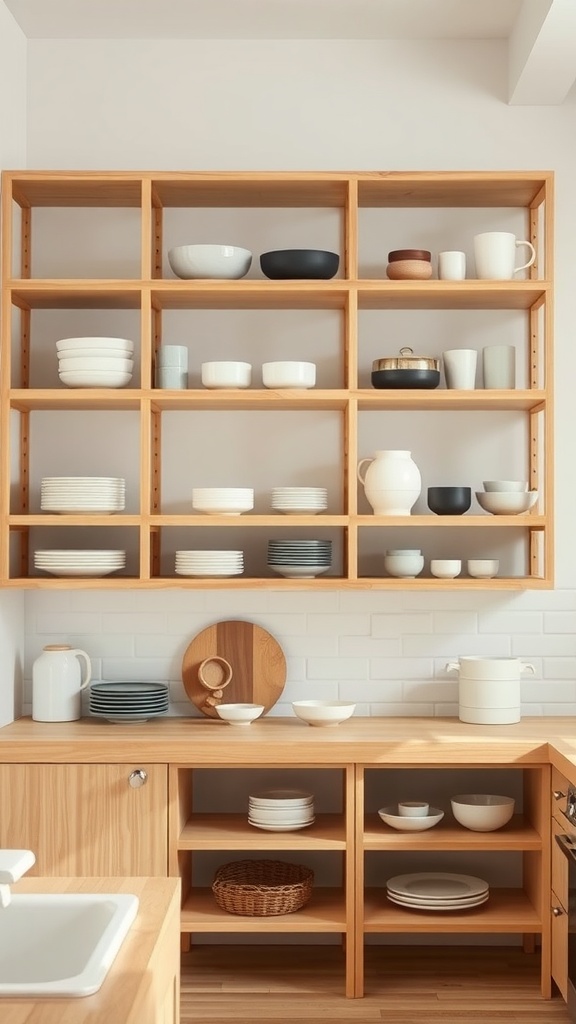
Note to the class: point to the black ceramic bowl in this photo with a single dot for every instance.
(405, 378)
(449, 501)
(283, 264)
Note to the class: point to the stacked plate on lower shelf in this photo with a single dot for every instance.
(209, 563)
(77, 495)
(79, 563)
(128, 702)
(437, 890)
(281, 810)
(300, 559)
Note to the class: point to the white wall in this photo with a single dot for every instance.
(12, 154)
(319, 105)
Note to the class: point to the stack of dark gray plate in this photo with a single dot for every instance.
(125, 702)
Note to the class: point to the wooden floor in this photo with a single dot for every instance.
(404, 985)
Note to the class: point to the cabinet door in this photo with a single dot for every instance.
(86, 819)
(560, 945)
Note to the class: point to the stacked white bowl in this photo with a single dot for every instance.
(93, 563)
(94, 362)
(222, 501)
(281, 810)
(293, 501)
(209, 563)
(299, 559)
(506, 497)
(83, 495)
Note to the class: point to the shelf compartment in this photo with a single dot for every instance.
(64, 293)
(517, 835)
(506, 911)
(232, 832)
(251, 189)
(51, 188)
(38, 399)
(250, 399)
(325, 913)
(452, 188)
(470, 294)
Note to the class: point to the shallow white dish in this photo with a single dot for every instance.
(281, 797)
(239, 714)
(476, 901)
(506, 503)
(281, 828)
(323, 712)
(299, 572)
(96, 364)
(88, 342)
(210, 260)
(437, 885)
(402, 823)
(95, 378)
(482, 812)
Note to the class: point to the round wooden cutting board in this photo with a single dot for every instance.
(257, 660)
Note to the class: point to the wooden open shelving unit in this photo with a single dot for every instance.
(151, 295)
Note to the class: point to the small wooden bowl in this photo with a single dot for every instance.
(215, 673)
(409, 270)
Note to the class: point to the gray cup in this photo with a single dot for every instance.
(499, 366)
(171, 377)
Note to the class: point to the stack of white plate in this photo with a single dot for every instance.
(95, 362)
(281, 810)
(437, 890)
(293, 501)
(223, 501)
(83, 494)
(209, 563)
(128, 702)
(79, 563)
(299, 559)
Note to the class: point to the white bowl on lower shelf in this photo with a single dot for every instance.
(323, 712)
(403, 823)
(482, 812)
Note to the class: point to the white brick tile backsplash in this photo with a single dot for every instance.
(558, 692)
(560, 622)
(301, 690)
(135, 622)
(434, 691)
(338, 668)
(558, 668)
(401, 668)
(311, 646)
(401, 624)
(369, 647)
(451, 646)
(343, 625)
(158, 645)
(455, 623)
(399, 710)
(370, 691)
(552, 643)
(136, 668)
(65, 623)
(510, 622)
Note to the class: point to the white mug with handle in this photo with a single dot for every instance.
(495, 255)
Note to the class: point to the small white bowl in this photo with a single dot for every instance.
(95, 378)
(97, 363)
(80, 344)
(226, 374)
(226, 262)
(404, 824)
(482, 812)
(239, 714)
(413, 809)
(505, 485)
(445, 568)
(404, 566)
(506, 503)
(288, 374)
(323, 712)
(482, 568)
(225, 501)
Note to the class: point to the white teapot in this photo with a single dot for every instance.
(57, 683)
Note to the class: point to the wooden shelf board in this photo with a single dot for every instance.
(77, 188)
(506, 911)
(249, 520)
(250, 294)
(324, 913)
(258, 189)
(469, 294)
(56, 519)
(64, 293)
(269, 400)
(520, 583)
(104, 399)
(446, 400)
(516, 835)
(232, 832)
(529, 520)
(448, 189)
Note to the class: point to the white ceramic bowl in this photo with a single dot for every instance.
(413, 809)
(323, 712)
(93, 353)
(482, 812)
(226, 374)
(505, 485)
(95, 378)
(239, 714)
(482, 568)
(445, 568)
(404, 566)
(95, 342)
(96, 363)
(231, 501)
(405, 824)
(226, 262)
(288, 374)
(506, 503)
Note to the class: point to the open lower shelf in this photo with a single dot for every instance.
(518, 834)
(326, 912)
(507, 910)
(232, 832)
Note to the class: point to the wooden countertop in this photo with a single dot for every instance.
(282, 741)
(122, 990)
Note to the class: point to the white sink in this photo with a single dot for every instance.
(61, 944)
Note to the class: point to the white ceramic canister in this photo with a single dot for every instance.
(57, 684)
(489, 689)
(392, 482)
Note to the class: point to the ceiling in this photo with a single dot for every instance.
(540, 34)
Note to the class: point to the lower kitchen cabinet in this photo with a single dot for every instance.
(560, 884)
(87, 819)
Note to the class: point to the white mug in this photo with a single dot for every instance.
(495, 255)
(460, 368)
(452, 265)
(499, 366)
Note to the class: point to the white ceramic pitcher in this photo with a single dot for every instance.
(392, 482)
(57, 683)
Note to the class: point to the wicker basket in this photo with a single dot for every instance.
(262, 888)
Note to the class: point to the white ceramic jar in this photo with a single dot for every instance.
(57, 684)
(489, 689)
(392, 482)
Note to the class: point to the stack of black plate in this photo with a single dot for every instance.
(300, 559)
(129, 701)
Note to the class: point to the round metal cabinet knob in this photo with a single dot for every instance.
(138, 778)
(557, 911)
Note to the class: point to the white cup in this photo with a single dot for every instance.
(460, 368)
(452, 265)
(499, 366)
(413, 809)
(171, 377)
(495, 255)
(172, 355)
